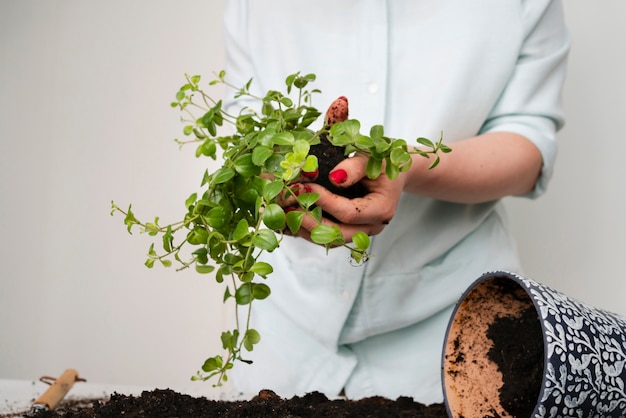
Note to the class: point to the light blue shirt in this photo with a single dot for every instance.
(419, 68)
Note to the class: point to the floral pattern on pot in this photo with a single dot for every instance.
(585, 351)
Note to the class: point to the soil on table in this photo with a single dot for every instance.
(167, 403)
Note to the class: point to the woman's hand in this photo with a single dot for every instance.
(367, 214)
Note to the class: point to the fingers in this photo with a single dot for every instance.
(348, 231)
(373, 209)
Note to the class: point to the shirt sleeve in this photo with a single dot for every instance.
(531, 104)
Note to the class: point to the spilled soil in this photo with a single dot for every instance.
(167, 403)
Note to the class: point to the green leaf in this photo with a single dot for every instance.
(283, 138)
(374, 168)
(286, 101)
(382, 146)
(152, 228)
(198, 236)
(300, 82)
(391, 170)
(294, 220)
(341, 140)
(306, 200)
(309, 117)
(265, 137)
(326, 234)
(444, 148)
(399, 156)
(364, 142)
(223, 174)
(243, 294)
(213, 363)
(273, 163)
(245, 124)
(272, 189)
(265, 239)
(246, 277)
(261, 268)
(434, 163)
(260, 154)
(168, 239)
(217, 217)
(267, 108)
(316, 213)
(377, 131)
(425, 141)
(361, 240)
(301, 148)
(201, 255)
(351, 128)
(207, 148)
(230, 339)
(358, 256)
(253, 336)
(129, 219)
(241, 230)
(274, 216)
(289, 81)
(310, 164)
(245, 166)
(191, 200)
(260, 290)
(204, 269)
(250, 338)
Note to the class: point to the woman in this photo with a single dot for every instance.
(489, 76)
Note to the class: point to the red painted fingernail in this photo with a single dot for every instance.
(310, 174)
(307, 188)
(296, 189)
(338, 176)
(290, 209)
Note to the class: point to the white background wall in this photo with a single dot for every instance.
(85, 118)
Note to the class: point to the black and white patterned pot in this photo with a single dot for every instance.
(581, 359)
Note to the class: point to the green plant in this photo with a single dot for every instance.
(238, 216)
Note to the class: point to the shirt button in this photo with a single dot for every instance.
(346, 295)
(373, 88)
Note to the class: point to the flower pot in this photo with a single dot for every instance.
(515, 347)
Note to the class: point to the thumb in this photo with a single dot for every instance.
(349, 171)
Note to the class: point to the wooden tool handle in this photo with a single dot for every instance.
(55, 393)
